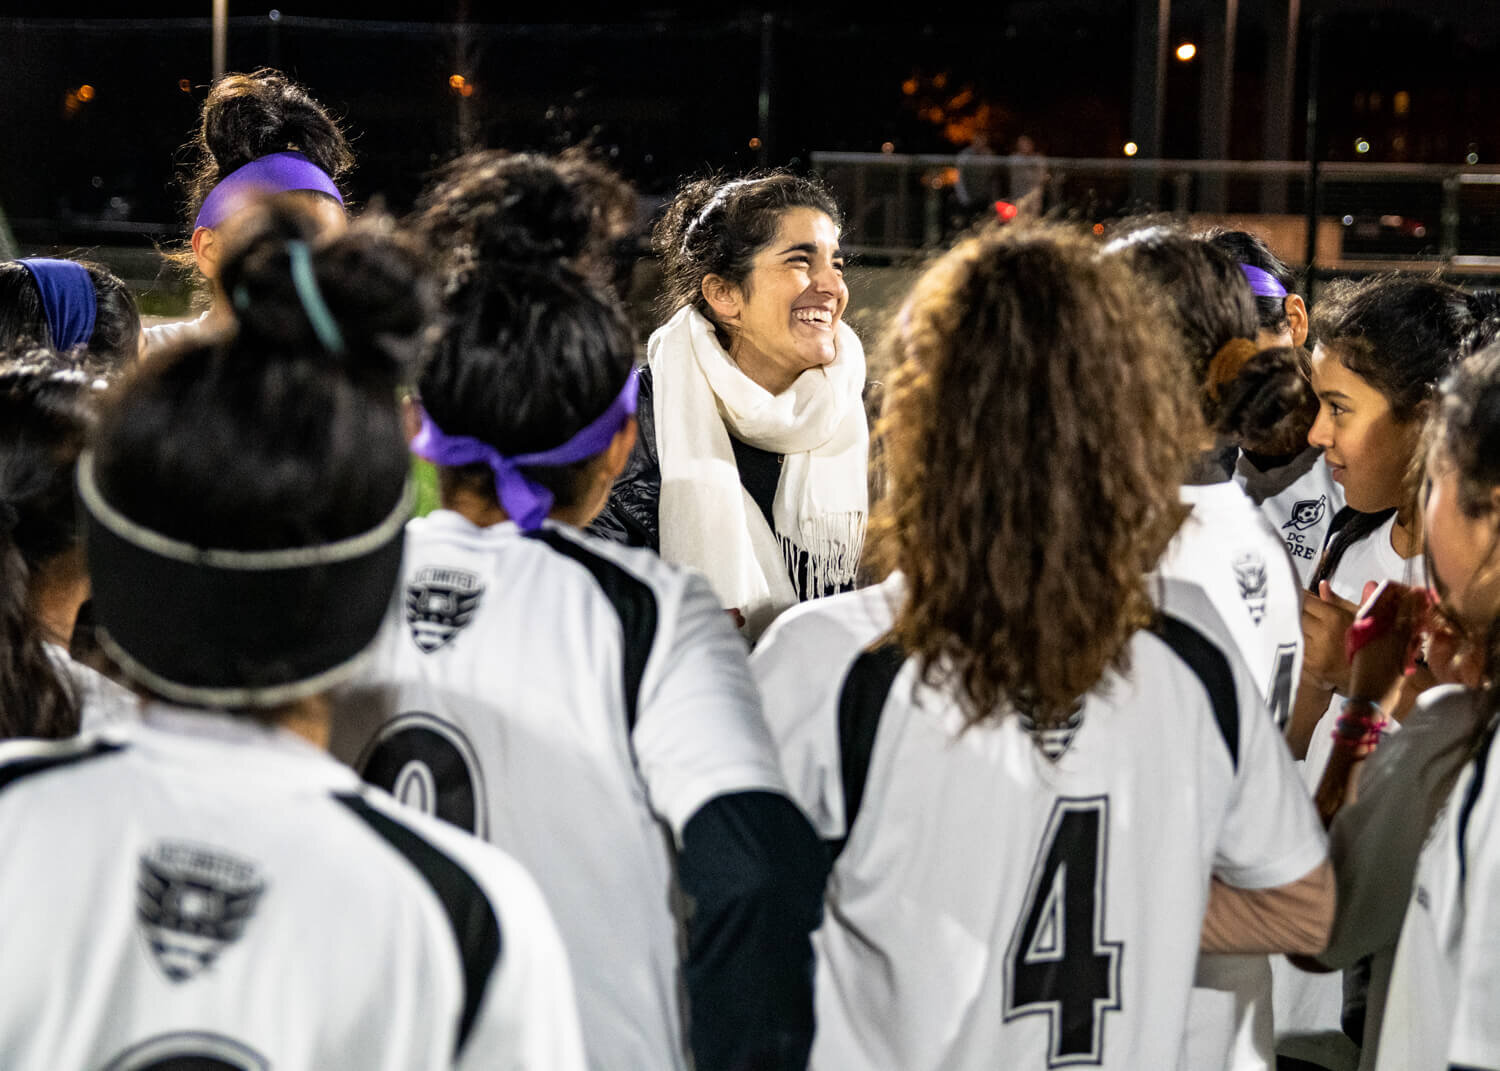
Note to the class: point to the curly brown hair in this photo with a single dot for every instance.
(1035, 436)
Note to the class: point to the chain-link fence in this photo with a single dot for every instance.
(1369, 217)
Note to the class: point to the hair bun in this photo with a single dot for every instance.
(497, 210)
(365, 304)
(247, 116)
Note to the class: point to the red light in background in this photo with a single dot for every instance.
(1005, 210)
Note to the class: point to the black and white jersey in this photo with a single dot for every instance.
(1012, 897)
(198, 890)
(1299, 501)
(1445, 985)
(576, 702)
(1227, 549)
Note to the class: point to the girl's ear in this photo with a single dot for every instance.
(723, 297)
(1296, 315)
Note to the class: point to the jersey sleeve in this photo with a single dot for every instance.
(1475, 1038)
(700, 732)
(528, 1019)
(800, 665)
(1271, 834)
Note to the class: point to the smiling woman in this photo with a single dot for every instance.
(751, 462)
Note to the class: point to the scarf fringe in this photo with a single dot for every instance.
(833, 545)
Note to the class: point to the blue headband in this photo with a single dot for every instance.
(68, 299)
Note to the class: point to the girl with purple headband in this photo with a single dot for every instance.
(261, 135)
(585, 705)
(1281, 472)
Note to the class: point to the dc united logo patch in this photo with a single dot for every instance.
(191, 902)
(439, 603)
(1307, 512)
(1250, 573)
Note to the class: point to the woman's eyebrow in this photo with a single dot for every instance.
(800, 247)
(1336, 395)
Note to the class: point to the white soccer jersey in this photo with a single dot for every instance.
(993, 906)
(1445, 987)
(1372, 558)
(198, 890)
(1228, 550)
(576, 702)
(1299, 501)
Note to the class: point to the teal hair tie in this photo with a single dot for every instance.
(318, 314)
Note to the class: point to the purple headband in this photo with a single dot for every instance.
(277, 172)
(68, 299)
(1263, 283)
(525, 502)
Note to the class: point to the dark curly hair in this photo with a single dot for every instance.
(1035, 436)
(715, 227)
(568, 208)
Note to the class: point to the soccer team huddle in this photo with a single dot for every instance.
(1110, 684)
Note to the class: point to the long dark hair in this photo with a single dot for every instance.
(519, 313)
(45, 416)
(1036, 433)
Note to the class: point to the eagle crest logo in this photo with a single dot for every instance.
(1307, 512)
(1250, 573)
(192, 902)
(439, 603)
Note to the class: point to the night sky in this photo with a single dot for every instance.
(675, 91)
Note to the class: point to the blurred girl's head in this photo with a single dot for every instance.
(245, 496)
(261, 136)
(1035, 435)
(1462, 500)
(68, 305)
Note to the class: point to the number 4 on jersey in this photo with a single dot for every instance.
(1058, 963)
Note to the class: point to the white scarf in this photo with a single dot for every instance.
(707, 519)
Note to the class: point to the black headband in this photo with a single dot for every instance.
(233, 628)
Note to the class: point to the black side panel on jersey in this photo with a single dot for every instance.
(861, 699)
(1208, 662)
(14, 771)
(632, 599)
(1471, 797)
(475, 928)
